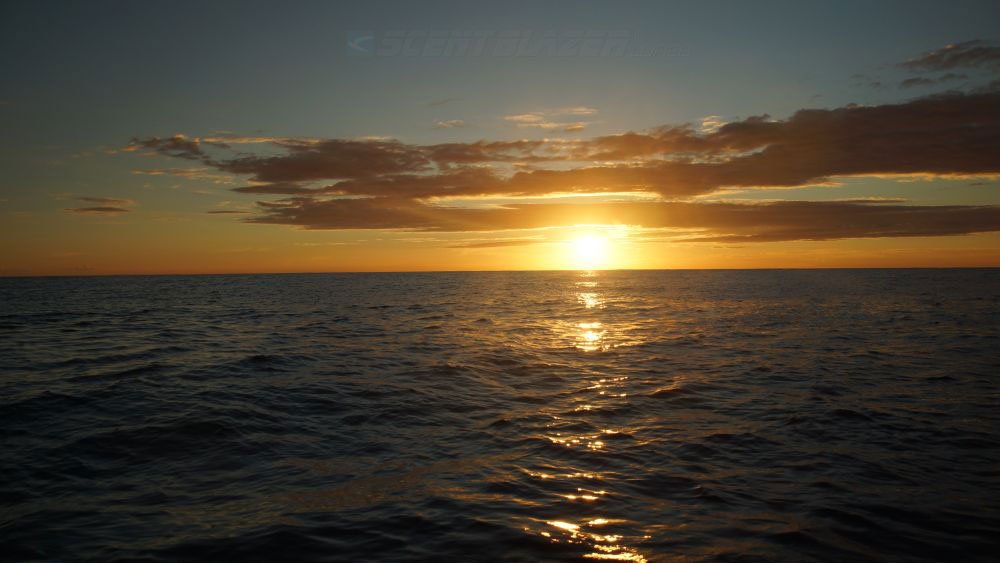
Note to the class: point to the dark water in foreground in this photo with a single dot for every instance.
(741, 415)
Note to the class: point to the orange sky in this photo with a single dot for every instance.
(135, 245)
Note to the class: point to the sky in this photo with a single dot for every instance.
(224, 137)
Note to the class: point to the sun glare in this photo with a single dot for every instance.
(590, 252)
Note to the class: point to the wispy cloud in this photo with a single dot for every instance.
(499, 243)
(442, 101)
(564, 119)
(711, 124)
(179, 146)
(106, 200)
(99, 210)
(968, 54)
(449, 124)
(923, 81)
(976, 57)
(102, 206)
(195, 174)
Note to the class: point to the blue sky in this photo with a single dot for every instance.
(107, 71)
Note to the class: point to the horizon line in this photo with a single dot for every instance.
(331, 272)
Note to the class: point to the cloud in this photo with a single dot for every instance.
(711, 221)
(550, 125)
(711, 123)
(525, 117)
(449, 124)
(226, 212)
(442, 101)
(497, 243)
(953, 134)
(798, 220)
(102, 205)
(552, 119)
(577, 110)
(380, 183)
(334, 158)
(447, 154)
(947, 134)
(863, 80)
(279, 188)
(922, 81)
(968, 54)
(98, 210)
(107, 200)
(873, 199)
(195, 174)
(225, 140)
(178, 146)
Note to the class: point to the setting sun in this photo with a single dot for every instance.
(590, 252)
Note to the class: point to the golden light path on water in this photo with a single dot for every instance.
(584, 525)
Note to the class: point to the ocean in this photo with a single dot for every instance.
(764, 415)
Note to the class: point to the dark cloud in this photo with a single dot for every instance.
(280, 188)
(331, 159)
(871, 200)
(453, 182)
(450, 182)
(389, 184)
(178, 146)
(785, 221)
(98, 210)
(865, 81)
(968, 54)
(102, 205)
(715, 222)
(992, 86)
(447, 154)
(952, 134)
(946, 134)
(917, 81)
(922, 81)
(949, 134)
(112, 201)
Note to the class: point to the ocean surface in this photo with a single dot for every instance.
(806, 415)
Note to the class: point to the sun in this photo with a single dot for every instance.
(590, 252)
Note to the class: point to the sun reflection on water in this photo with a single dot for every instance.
(589, 441)
(605, 546)
(572, 426)
(589, 339)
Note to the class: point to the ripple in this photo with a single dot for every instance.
(631, 416)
